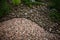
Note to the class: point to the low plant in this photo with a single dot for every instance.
(4, 8)
(55, 4)
(54, 14)
(16, 2)
(31, 2)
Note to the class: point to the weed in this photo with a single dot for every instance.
(16, 2)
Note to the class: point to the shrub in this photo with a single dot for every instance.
(55, 4)
(4, 8)
(55, 15)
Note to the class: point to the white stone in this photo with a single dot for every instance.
(26, 13)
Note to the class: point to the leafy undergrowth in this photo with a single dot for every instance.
(54, 14)
(4, 8)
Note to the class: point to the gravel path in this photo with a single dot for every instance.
(36, 13)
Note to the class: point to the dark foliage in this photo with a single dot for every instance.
(55, 15)
(4, 8)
